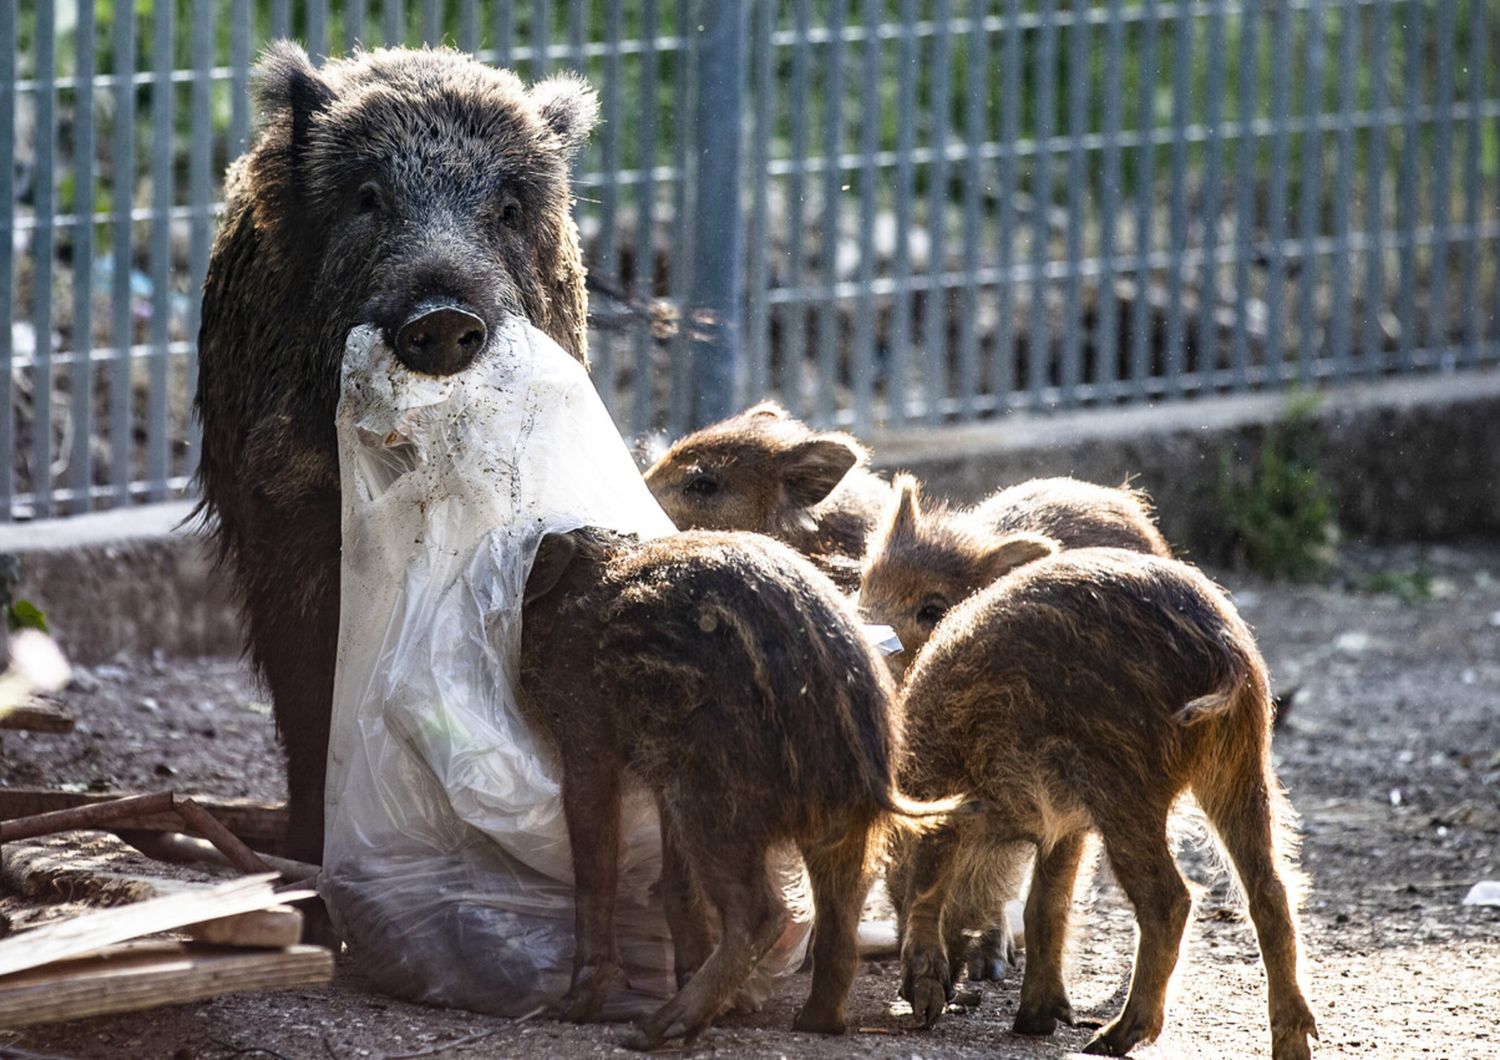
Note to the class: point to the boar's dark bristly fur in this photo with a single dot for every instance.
(380, 184)
(730, 676)
(1086, 693)
(762, 470)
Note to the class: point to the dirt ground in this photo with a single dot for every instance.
(1391, 752)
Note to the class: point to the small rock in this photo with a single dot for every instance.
(110, 672)
(148, 705)
(1353, 642)
(82, 681)
(1495, 619)
(164, 770)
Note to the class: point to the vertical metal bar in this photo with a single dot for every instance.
(7, 257)
(1378, 66)
(392, 22)
(1339, 323)
(1107, 335)
(281, 18)
(1140, 308)
(718, 282)
(122, 195)
(679, 396)
(1308, 210)
(1408, 204)
(1474, 189)
(1182, 71)
(1442, 171)
(827, 351)
(42, 250)
(541, 37)
(1276, 208)
(357, 23)
(158, 445)
(1039, 361)
(1079, 83)
(505, 33)
(82, 384)
(645, 218)
(899, 348)
(757, 325)
(577, 25)
(935, 311)
(468, 26)
(794, 320)
(1011, 69)
(239, 78)
(432, 22)
(607, 257)
(869, 136)
(1246, 150)
(200, 195)
(976, 72)
(1208, 287)
(316, 13)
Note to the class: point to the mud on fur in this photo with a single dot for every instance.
(1084, 693)
(735, 681)
(763, 470)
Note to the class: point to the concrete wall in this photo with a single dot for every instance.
(1406, 459)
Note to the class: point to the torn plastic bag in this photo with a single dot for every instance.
(446, 863)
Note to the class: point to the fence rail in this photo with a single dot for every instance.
(892, 211)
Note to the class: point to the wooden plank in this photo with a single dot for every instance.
(275, 928)
(262, 825)
(84, 934)
(146, 975)
(38, 717)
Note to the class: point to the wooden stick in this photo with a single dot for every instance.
(146, 975)
(204, 823)
(93, 815)
(261, 825)
(180, 849)
(37, 718)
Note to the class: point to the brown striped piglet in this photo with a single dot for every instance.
(764, 471)
(731, 677)
(1086, 693)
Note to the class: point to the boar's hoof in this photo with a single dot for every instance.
(927, 983)
(816, 1020)
(1289, 1035)
(1042, 1019)
(1118, 1038)
(591, 987)
(992, 956)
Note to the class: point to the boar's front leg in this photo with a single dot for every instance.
(591, 804)
(926, 977)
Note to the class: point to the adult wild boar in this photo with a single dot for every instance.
(420, 191)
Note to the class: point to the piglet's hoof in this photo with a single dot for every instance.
(591, 987)
(992, 956)
(1042, 1019)
(1117, 1039)
(927, 983)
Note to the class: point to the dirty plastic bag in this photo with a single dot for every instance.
(446, 864)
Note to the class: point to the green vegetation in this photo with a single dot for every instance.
(23, 614)
(1280, 514)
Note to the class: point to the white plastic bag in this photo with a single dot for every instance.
(446, 864)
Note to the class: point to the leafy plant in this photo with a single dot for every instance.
(23, 614)
(1280, 515)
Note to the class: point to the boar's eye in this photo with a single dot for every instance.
(370, 199)
(702, 484)
(932, 612)
(510, 212)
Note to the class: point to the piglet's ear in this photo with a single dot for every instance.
(570, 108)
(1013, 550)
(903, 516)
(290, 92)
(553, 557)
(814, 468)
(766, 410)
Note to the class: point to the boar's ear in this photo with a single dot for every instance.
(814, 468)
(569, 106)
(903, 516)
(288, 89)
(766, 410)
(1013, 550)
(553, 556)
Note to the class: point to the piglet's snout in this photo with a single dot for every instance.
(440, 340)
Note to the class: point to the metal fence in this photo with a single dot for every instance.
(883, 211)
